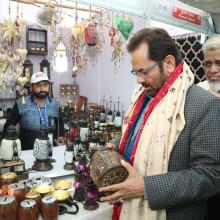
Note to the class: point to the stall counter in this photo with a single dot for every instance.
(103, 212)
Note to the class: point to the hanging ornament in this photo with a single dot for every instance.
(10, 30)
(78, 28)
(78, 31)
(91, 35)
(75, 67)
(112, 33)
(22, 80)
(117, 52)
(125, 26)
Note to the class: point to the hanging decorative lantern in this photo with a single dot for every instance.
(91, 35)
(60, 59)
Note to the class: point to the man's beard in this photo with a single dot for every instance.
(41, 95)
(144, 84)
(147, 86)
(215, 86)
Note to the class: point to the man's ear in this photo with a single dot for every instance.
(169, 63)
(31, 88)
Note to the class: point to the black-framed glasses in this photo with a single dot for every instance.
(144, 72)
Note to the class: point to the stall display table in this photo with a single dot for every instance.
(103, 212)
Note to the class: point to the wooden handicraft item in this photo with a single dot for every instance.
(106, 168)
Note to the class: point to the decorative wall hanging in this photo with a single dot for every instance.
(28, 68)
(48, 13)
(124, 25)
(60, 53)
(117, 53)
(45, 67)
(78, 40)
(36, 41)
(87, 40)
(91, 35)
(112, 33)
(12, 55)
(69, 89)
(10, 30)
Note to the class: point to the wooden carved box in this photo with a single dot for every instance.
(106, 168)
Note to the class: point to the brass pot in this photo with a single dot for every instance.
(60, 195)
(64, 197)
(43, 189)
(62, 184)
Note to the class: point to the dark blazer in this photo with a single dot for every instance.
(194, 165)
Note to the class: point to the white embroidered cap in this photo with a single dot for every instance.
(38, 77)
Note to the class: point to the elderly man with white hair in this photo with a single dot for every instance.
(211, 51)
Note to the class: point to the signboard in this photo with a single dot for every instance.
(172, 12)
(187, 15)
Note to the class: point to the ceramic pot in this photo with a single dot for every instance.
(17, 190)
(6, 180)
(49, 208)
(28, 210)
(8, 208)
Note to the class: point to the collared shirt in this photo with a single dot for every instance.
(29, 119)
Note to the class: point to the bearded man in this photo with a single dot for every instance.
(211, 52)
(37, 111)
(170, 137)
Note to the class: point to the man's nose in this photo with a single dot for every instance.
(214, 68)
(140, 79)
(43, 89)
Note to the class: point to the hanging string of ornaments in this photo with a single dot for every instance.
(12, 53)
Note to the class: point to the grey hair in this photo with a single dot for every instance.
(212, 43)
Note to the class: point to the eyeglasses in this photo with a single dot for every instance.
(144, 72)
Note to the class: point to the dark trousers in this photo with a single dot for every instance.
(214, 207)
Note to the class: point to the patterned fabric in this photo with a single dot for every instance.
(156, 140)
(205, 85)
(30, 115)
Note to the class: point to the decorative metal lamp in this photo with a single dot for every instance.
(77, 147)
(10, 152)
(42, 152)
(91, 197)
(79, 187)
(118, 115)
(61, 61)
(69, 157)
(10, 148)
